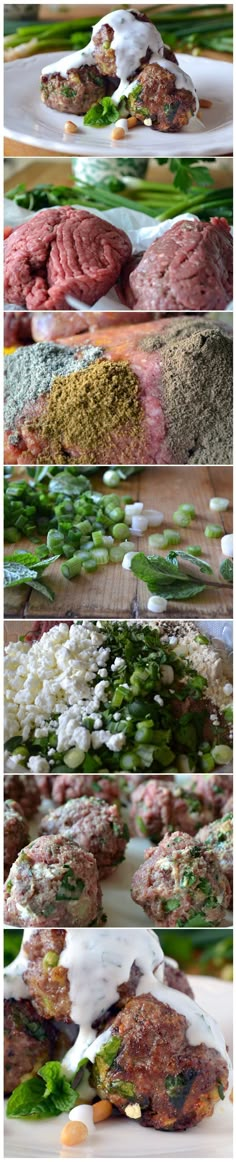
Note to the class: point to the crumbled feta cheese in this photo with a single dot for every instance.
(157, 698)
(38, 765)
(117, 663)
(228, 688)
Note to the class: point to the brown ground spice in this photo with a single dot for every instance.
(197, 399)
(91, 410)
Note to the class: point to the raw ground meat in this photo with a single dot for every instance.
(189, 268)
(61, 252)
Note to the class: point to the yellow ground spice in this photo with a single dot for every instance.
(93, 410)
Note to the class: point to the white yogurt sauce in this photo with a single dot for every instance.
(131, 41)
(14, 985)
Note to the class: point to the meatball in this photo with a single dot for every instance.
(16, 833)
(175, 979)
(44, 783)
(228, 806)
(53, 878)
(180, 883)
(151, 809)
(215, 789)
(74, 93)
(156, 97)
(105, 56)
(24, 790)
(95, 825)
(66, 787)
(218, 837)
(46, 979)
(190, 810)
(152, 1063)
(28, 1043)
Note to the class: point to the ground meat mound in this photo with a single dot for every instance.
(66, 787)
(95, 825)
(218, 837)
(16, 833)
(28, 1043)
(174, 1083)
(179, 881)
(74, 93)
(24, 789)
(189, 268)
(53, 878)
(156, 97)
(61, 252)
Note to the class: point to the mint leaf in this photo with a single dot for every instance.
(102, 113)
(164, 578)
(46, 1095)
(226, 570)
(197, 562)
(25, 569)
(69, 485)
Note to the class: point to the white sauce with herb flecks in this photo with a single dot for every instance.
(132, 39)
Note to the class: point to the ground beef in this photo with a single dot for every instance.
(157, 97)
(74, 93)
(180, 882)
(190, 810)
(17, 328)
(28, 1043)
(24, 789)
(175, 1083)
(16, 833)
(189, 268)
(66, 787)
(175, 979)
(53, 879)
(61, 252)
(95, 825)
(214, 789)
(218, 837)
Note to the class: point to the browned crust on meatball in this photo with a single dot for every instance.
(158, 98)
(74, 93)
(155, 1056)
(28, 1042)
(48, 984)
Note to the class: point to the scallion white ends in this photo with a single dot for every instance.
(218, 503)
(128, 557)
(227, 545)
(156, 604)
(153, 517)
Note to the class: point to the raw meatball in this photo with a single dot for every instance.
(228, 806)
(215, 789)
(157, 97)
(189, 268)
(23, 788)
(180, 883)
(28, 1043)
(16, 833)
(190, 810)
(44, 783)
(151, 809)
(175, 979)
(176, 1084)
(95, 825)
(218, 837)
(74, 93)
(53, 878)
(66, 787)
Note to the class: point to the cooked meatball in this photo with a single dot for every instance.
(180, 883)
(176, 1084)
(157, 97)
(175, 979)
(16, 833)
(53, 878)
(74, 93)
(151, 809)
(95, 825)
(66, 787)
(104, 53)
(28, 1043)
(215, 789)
(46, 979)
(23, 789)
(218, 837)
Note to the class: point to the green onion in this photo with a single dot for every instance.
(213, 531)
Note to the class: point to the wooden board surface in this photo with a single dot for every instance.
(112, 591)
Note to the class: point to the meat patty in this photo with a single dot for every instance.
(157, 98)
(28, 1043)
(189, 268)
(24, 790)
(53, 878)
(66, 787)
(16, 833)
(218, 837)
(95, 825)
(61, 252)
(154, 1065)
(180, 883)
(74, 93)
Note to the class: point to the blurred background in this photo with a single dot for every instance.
(203, 953)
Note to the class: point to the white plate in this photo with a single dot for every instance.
(123, 1139)
(28, 120)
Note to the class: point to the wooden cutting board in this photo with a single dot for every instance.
(112, 591)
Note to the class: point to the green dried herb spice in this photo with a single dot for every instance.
(92, 409)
